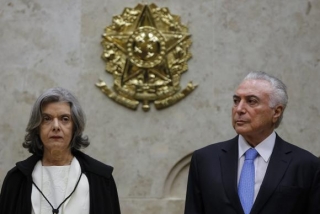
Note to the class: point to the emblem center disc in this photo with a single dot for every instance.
(146, 47)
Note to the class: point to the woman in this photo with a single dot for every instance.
(58, 177)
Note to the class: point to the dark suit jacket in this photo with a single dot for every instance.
(291, 184)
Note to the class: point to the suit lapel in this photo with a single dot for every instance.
(279, 162)
(229, 169)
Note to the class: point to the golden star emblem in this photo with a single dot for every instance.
(146, 49)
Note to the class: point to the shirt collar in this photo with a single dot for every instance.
(264, 148)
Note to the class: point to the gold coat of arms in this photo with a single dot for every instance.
(146, 49)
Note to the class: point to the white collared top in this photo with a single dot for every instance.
(56, 183)
(264, 149)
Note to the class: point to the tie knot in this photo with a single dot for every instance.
(251, 154)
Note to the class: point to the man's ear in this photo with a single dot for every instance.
(278, 110)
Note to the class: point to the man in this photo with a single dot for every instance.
(279, 178)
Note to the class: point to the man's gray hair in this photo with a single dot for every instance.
(32, 138)
(278, 95)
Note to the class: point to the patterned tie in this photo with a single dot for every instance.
(246, 182)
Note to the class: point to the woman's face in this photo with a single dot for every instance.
(56, 127)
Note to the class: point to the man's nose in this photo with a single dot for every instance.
(241, 107)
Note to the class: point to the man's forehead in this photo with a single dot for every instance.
(253, 88)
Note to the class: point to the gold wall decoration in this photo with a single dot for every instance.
(146, 49)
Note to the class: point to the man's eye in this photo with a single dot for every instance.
(252, 101)
(235, 101)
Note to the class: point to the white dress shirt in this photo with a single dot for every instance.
(264, 150)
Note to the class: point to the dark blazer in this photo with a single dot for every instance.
(291, 184)
(15, 197)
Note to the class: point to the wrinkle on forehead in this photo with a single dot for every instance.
(254, 87)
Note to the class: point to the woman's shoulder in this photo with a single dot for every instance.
(14, 178)
(91, 165)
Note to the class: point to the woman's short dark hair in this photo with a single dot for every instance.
(32, 140)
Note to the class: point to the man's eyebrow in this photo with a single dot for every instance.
(246, 97)
(253, 96)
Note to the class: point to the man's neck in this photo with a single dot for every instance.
(254, 140)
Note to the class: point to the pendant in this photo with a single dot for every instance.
(55, 211)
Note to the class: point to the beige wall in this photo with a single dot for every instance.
(47, 43)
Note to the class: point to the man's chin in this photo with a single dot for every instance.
(241, 130)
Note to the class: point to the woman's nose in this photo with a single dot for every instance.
(55, 125)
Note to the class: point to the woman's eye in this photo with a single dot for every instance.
(65, 119)
(46, 119)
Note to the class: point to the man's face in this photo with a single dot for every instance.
(56, 127)
(252, 117)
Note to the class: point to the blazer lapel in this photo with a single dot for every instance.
(229, 169)
(279, 162)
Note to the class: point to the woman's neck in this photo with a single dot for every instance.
(57, 158)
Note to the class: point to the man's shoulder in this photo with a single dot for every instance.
(298, 153)
(215, 148)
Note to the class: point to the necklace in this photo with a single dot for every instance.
(56, 211)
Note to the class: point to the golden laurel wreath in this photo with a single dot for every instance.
(146, 49)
